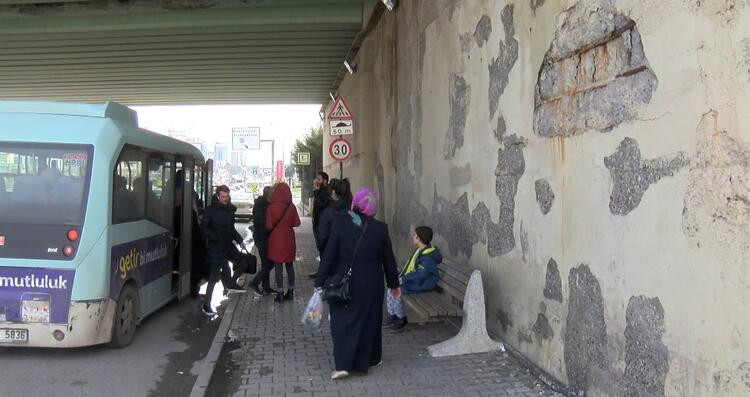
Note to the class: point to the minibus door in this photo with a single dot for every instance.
(186, 232)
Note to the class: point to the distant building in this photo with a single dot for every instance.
(220, 153)
(236, 158)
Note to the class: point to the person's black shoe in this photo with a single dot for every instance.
(256, 290)
(279, 297)
(289, 294)
(390, 321)
(313, 275)
(399, 325)
(207, 310)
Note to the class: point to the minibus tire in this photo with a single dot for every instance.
(125, 318)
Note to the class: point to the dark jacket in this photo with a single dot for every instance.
(282, 247)
(336, 208)
(423, 276)
(321, 200)
(217, 226)
(260, 233)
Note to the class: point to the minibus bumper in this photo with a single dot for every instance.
(89, 323)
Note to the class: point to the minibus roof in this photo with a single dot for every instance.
(110, 110)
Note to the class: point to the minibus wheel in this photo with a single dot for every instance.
(125, 318)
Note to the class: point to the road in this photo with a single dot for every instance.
(164, 359)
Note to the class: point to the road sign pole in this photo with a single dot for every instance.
(341, 170)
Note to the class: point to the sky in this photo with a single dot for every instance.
(213, 124)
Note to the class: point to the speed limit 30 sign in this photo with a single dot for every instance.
(340, 149)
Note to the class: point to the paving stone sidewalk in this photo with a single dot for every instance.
(270, 353)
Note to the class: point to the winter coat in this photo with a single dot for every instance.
(336, 208)
(260, 233)
(217, 226)
(421, 272)
(321, 200)
(282, 247)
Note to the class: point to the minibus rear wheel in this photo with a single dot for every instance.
(125, 318)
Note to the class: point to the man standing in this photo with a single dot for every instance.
(218, 228)
(321, 200)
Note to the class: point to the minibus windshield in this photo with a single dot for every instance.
(44, 183)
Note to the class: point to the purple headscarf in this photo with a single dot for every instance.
(365, 202)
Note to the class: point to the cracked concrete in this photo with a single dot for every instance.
(595, 74)
(544, 195)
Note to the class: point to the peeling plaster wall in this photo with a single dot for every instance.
(591, 158)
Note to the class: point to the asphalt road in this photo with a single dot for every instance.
(164, 359)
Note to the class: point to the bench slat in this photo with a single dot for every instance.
(456, 268)
(460, 277)
(428, 301)
(451, 288)
(421, 312)
(450, 279)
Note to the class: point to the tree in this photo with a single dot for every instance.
(311, 143)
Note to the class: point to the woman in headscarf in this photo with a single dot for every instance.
(356, 325)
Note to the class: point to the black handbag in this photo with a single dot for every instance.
(337, 291)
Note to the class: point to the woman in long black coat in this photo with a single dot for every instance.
(356, 326)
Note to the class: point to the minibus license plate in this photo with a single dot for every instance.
(11, 335)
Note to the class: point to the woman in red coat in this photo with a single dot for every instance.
(281, 219)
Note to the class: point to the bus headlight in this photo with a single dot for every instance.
(58, 335)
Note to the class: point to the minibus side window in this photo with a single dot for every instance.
(160, 199)
(129, 187)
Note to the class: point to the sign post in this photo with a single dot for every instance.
(341, 123)
(340, 150)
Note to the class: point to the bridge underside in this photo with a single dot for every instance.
(176, 52)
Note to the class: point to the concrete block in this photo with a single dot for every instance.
(473, 337)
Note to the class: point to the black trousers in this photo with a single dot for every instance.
(264, 275)
(280, 276)
(218, 272)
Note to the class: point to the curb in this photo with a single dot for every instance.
(209, 362)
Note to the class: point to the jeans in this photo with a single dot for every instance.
(280, 275)
(218, 271)
(264, 275)
(395, 307)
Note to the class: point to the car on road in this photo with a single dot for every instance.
(244, 202)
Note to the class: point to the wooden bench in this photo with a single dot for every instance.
(445, 301)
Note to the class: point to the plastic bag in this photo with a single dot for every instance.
(313, 314)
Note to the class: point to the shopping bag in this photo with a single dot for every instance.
(313, 313)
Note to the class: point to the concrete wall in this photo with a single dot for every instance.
(591, 158)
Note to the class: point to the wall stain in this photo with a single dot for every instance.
(500, 67)
(524, 242)
(483, 30)
(553, 282)
(510, 167)
(632, 176)
(460, 176)
(460, 100)
(501, 128)
(454, 220)
(646, 356)
(544, 195)
(541, 328)
(585, 341)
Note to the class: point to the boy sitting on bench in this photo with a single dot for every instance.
(419, 275)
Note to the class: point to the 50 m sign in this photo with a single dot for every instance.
(340, 149)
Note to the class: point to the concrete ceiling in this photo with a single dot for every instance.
(176, 52)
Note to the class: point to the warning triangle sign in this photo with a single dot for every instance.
(340, 111)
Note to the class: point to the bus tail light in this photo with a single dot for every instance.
(68, 250)
(72, 234)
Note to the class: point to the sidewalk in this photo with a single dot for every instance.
(270, 353)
